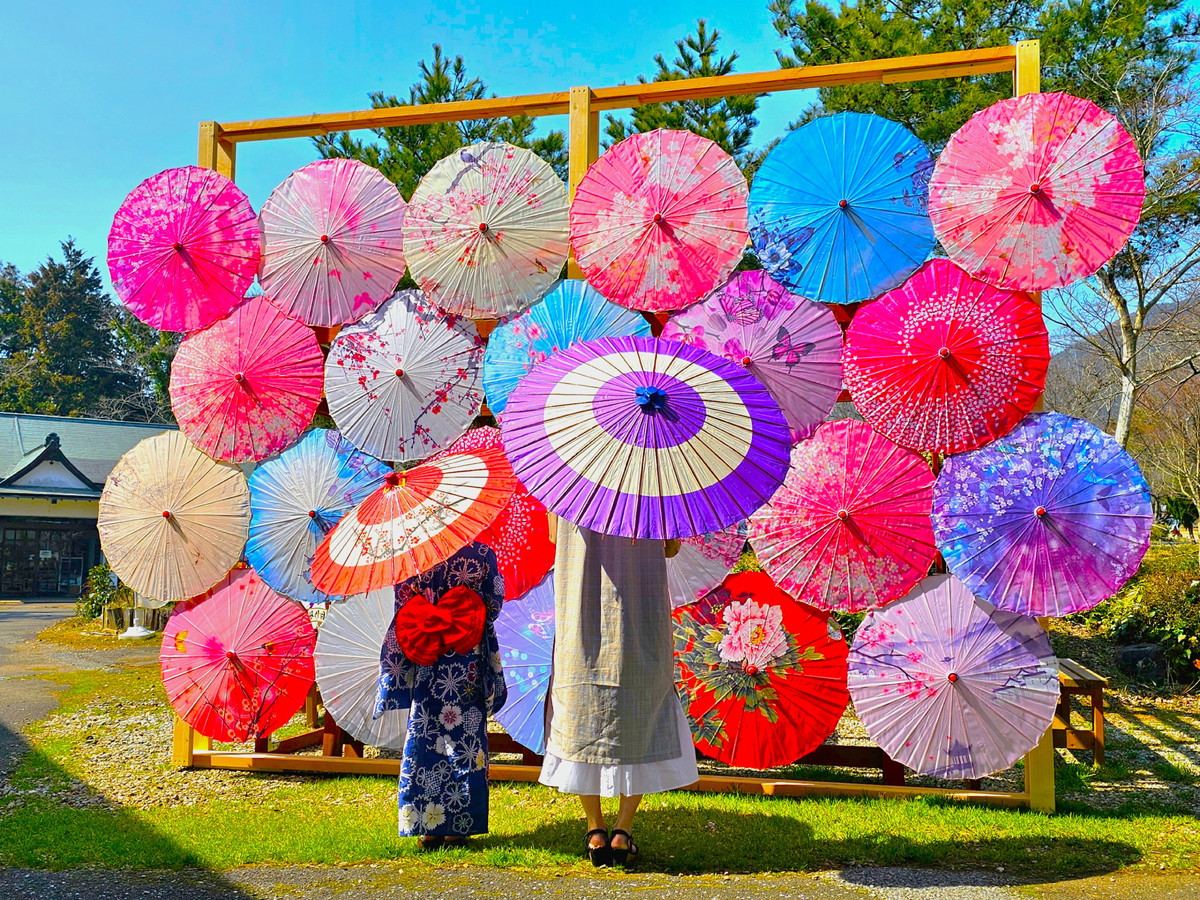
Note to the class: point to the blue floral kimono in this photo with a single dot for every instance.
(443, 775)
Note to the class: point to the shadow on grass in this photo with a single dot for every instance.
(705, 840)
(49, 821)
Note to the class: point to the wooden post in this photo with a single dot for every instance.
(584, 146)
(185, 742)
(215, 152)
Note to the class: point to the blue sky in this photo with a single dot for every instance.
(98, 96)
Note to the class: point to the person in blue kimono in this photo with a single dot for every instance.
(441, 662)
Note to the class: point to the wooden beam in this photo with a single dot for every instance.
(889, 71)
(215, 151)
(1027, 74)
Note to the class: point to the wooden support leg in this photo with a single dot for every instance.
(262, 745)
(1098, 727)
(185, 741)
(1039, 774)
(893, 772)
(1062, 712)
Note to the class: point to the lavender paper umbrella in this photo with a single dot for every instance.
(949, 685)
(645, 438)
(1049, 520)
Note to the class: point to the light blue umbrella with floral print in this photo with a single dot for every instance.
(572, 311)
(838, 210)
(525, 632)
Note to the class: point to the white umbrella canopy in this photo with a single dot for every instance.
(403, 382)
(349, 647)
(172, 520)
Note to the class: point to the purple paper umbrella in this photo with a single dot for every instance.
(645, 438)
(949, 685)
(1049, 520)
(525, 632)
(792, 345)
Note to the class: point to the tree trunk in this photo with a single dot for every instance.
(1125, 410)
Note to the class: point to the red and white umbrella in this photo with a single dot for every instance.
(419, 518)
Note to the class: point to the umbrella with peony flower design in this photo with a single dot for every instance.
(762, 677)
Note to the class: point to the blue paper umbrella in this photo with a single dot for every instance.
(572, 311)
(296, 498)
(838, 211)
(525, 631)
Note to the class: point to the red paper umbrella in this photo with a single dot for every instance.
(849, 529)
(417, 519)
(520, 536)
(946, 362)
(763, 677)
(237, 662)
(183, 248)
(248, 385)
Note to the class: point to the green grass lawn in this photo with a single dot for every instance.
(60, 815)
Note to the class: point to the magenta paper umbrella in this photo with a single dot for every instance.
(659, 220)
(849, 529)
(949, 685)
(402, 382)
(183, 249)
(331, 241)
(792, 345)
(645, 438)
(237, 663)
(946, 362)
(486, 231)
(1037, 191)
(246, 387)
(703, 562)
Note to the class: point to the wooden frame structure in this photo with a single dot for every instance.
(583, 105)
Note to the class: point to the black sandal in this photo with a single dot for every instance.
(623, 855)
(602, 855)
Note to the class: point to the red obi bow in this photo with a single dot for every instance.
(425, 631)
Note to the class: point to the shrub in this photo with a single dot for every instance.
(100, 590)
(1161, 605)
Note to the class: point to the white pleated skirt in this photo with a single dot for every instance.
(616, 780)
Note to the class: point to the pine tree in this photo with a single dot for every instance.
(727, 121)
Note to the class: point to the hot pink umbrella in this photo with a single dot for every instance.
(331, 238)
(792, 345)
(659, 220)
(849, 529)
(946, 362)
(183, 248)
(237, 663)
(246, 387)
(1037, 191)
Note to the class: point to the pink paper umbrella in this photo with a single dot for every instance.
(237, 663)
(703, 562)
(946, 362)
(1037, 191)
(659, 220)
(183, 248)
(331, 238)
(849, 529)
(793, 345)
(246, 387)
(949, 685)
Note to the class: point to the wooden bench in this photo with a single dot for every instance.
(1075, 679)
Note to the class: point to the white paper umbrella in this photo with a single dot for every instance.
(347, 657)
(173, 521)
(486, 231)
(402, 383)
(703, 562)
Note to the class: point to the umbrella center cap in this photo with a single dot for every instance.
(843, 514)
(1035, 188)
(658, 218)
(178, 247)
(651, 398)
(240, 377)
(751, 669)
(1040, 511)
(166, 514)
(394, 479)
(324, 239)
(746, 361)
(483, 227)
(843, 203)
(944, 352)
(399, 373)
(312, 513)
(952, 677)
